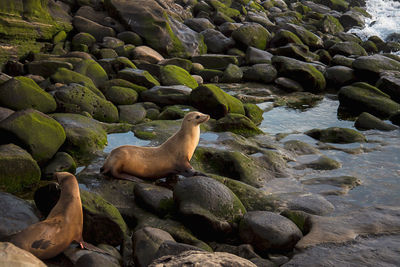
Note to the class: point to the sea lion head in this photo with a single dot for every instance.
(62, 176)
(195, 118)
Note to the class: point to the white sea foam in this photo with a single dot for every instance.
(385, 19)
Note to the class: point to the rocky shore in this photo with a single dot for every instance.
(75, 71)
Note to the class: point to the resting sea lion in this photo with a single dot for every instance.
(48, 238)
(171, 157)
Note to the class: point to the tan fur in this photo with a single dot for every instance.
(171, 157)
(48, 238)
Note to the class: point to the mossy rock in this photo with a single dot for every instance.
(139, 77)
(300, 147)
(284, 37)
(82, 38)
(123, 83)
(121, 95)
(61, 162)
(347, 49)
(18, 170)
(185, 64)
(210, 75)
(232, 74)
(76, 98)
(306, 36)
(369, 68)
(252, 34)
(59, 37)
(363, 97)
(214, 61)
(22, 93)
(339, 5)
(254, 113)
(212, 100)
(238, 124)
(174, 75)
(113, 65)
(93, 70)
(67, 76)
(46, 68)
(175, 112)
(38, 133)
(337, 135)
(322, 163)
(102, 222)
(167, 95)
(330, 24)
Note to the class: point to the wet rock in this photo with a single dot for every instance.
(215, 102)
(199, 24)
(22, 93)
(217, 259)
(238, 124)
(155, 198)
(139, 77)
(342, 183)
(216, 42)
(208, 206)
(322, 163)
(367, 121)
(93, 70)
(389, 83)
(16, 215)
(121, 95)
(174, 75)
(102, 222)
(14, 256)
(175, 112)
(337, 135)
(369, 67)
(309, 203)
(61, 162)
(132, 113)
(306, 74)
(347, 227)
(215, 61)
(96, 30)
(146, 243)
(82, 41)
(330, 24)
(362, 97)
(257, 56)
(266, 230)
(347, 49)
(95, 259)
(147, 54)
(180, 62)
(41, 135)
(351, 19)
(339, 75)
(254, 113)
(288, 85)
(47, 68)
(284, 37)
(297, 51)
(264, 73)
(169, 248)
(307, 37)
(76, 98)
(300, 148)
(342, 61)
(395, 118)
(211, 76)
(252, 34)
(232, 74)
(167, 95)
(123, 83)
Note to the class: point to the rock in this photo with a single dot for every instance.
(169, 248)
(351, 19)
(217, 259)
(95, 14)
(309, 203)
(252, 34)
(162, 32)
(167, 95)
(257, 56)
(129, 37)
(288, 85)
(254, 113)
(155, 198)
(232, 74)
(123, 83)
(322, 163)
(16, 214)
(266, 230)
(343, 183)
(367, 121)
(180, 62)
(47, 68)
(208, 206)
(215, 61)
(43, 137)
(96, 259)
(76, 98)
(175, 112)
(139, 77)
(14, 256)
(102, 222)
(339, 76)
(146, 243)
(337, 135)
(347, 49)
(66, 76)
(113, 65)
(5, 112)
(238, 124)
(304, 73)
(22, 93)
(300, 148)
(264, 73)
(216, 42)
(389, 83)
(84, 135)
(199, 24)
(133, 114)
(147, 54)
(81, 40)
(369, 67)
(330, 24)
(284, 37)
(307, 37)
(362, 97)
(96, 30)
(93, 70)
(343, 61)
(395, 118)
(174, 75)
(121, 95)
(112, 42)
(61, 162)
(215, 102)
(212, 76)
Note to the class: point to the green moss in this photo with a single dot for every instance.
(330, 24)
(337, 135)
(122, 83)
(121, 95)
(298, 217)
(93, 70)
(59, 37)
(175, 112)
(254, 113)
(174, 75)
(145, 135)
(238, 124)
(253, 35)
(224, 9)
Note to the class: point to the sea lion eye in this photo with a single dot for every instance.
(197, 117)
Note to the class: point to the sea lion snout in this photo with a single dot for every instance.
(203, 118)
(60, 176)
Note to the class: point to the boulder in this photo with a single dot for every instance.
(98, 31)
(215, 102)
(46, 68)
(369, 67)
(121, 95)
(133, 114)
(174, 75)
(175, 112)
(215, 61)
(339, 76)
(321, 163)
(61, 162)
(266, 230)
(38, 133)
(5, 112)
(168, 248)
(307, 75)
(199, 24)
(297, 51)
(208, 206)
(217, 42)
(167, 95)
(284, 37)
(147, 54)
(395, 118)
(238, 124)
(16, 214)
(76, 98)
(288, 85)
(300, 148)
(347, 49)
(93, 259)
(185, 64)
(257, 56)
(330, 24)
(389, 83)
(232, 74)
(14, 256)
(22, 93)
(264, 73)
(155, 198)
(367, 121)
(351, 19)
(139, 77)
(307, 37)
(362, 97)
(129, 37)
(252, 34)
(337, 135)
(93, 70)
(83, 40)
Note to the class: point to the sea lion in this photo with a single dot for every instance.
(48, 238)
(172, 157)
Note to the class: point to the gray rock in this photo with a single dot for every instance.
(147, 54)
(14, 256)
(98, 31)
(288, 85)
(155, 198)
(119, 95)
(132, 113)
(217, 42)
(215, 61)
(266, 230)
(232, 74)
(367, 121)
(347, 49)
(342, 184)
(339, 76)
(257, 56)
(369, 67)
(167, 95)
(94, 259)
(389, 83)
(308, 38)
(265, 73)
(111, 42)
(310, 203)
(130, 37)
(342, 61)
(5, 112)
(337, 135)
(139, 77)
(300, 148)
(99, 17)
(252, 34)
(61, 162)
(351, 19)
(171, 248)
(199, 24)
(46, 68)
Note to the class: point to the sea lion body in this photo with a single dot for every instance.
(171, 157)
(48, 238)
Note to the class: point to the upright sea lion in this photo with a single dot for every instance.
(48, 238)
(172, 157)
